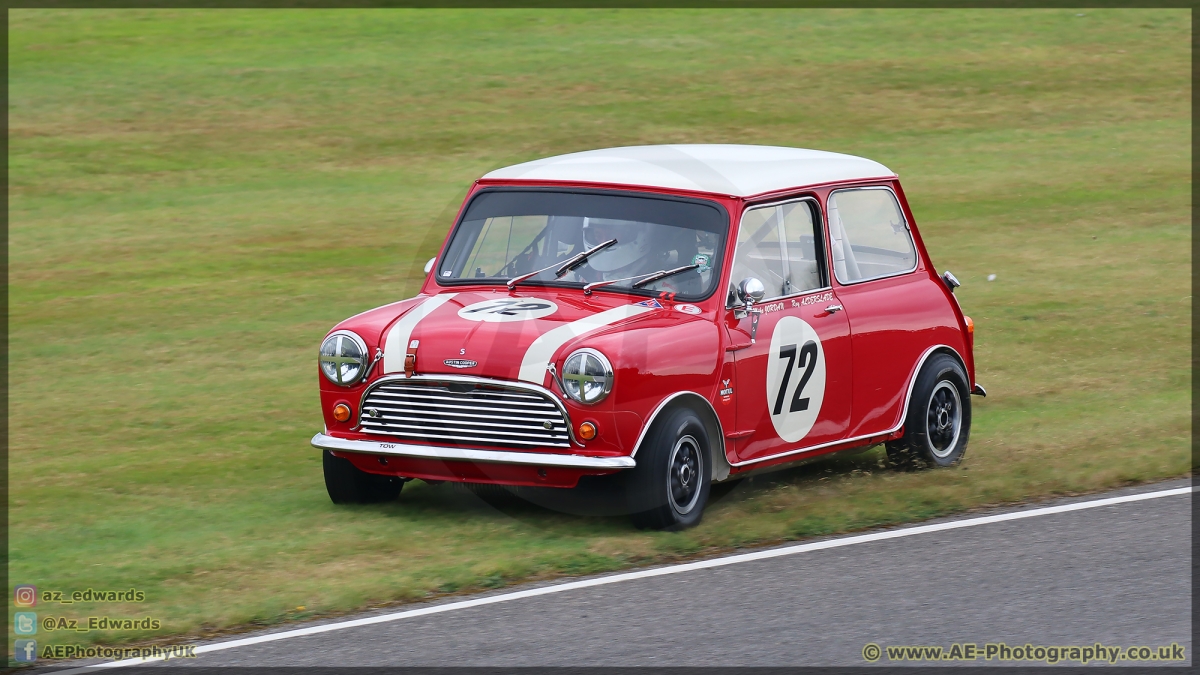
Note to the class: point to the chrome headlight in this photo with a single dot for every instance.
(587, 376)
(343, 358)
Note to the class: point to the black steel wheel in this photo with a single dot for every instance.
(683, 475)
(938, 422)
(943, 419)
(669, 488)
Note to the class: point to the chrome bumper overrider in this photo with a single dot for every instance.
(326, 442)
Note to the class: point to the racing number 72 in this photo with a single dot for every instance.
(510, 307)
(808, 361)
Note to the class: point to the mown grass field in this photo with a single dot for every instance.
(197, 196)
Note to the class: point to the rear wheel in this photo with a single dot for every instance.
(348, 485)
(938, 422)
(669, 487)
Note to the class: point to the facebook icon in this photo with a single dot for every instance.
(25, 651)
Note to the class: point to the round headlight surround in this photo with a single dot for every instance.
(343, 358)
(587, 376)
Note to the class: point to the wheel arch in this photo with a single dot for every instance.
(946, 349)
(916, 372)
(712, 424)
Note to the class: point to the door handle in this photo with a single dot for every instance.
(833, 308)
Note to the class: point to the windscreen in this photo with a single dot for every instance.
(509, 233)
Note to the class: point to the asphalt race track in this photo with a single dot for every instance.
(1118, 574)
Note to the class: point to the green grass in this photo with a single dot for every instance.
(197, 196)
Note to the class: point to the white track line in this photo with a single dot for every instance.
(656, 572)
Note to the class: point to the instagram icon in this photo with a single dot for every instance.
(25, 596)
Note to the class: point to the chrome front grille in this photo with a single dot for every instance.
(464, 412)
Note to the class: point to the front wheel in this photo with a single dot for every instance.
(668, 489)
(938, 422)
(346, 484)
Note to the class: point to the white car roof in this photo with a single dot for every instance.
(736, 170)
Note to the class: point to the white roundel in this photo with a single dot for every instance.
(508, 309)
(795, 378)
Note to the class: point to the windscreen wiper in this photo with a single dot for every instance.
(644, 278)
(574, 262)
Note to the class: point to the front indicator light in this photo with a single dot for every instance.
(341, 412)
(587, 431)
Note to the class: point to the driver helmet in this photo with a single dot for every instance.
(633, 242)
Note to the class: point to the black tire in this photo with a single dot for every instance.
(669, 487)
(938, 422)
(348, 485)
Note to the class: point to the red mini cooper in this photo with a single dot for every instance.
(678, 315)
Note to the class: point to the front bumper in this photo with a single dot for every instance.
(327, 442)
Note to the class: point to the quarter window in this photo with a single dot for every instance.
(868, 235)
(777, 245)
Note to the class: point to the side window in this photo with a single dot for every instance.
(868, 235)
(803, 271)
(777, 245)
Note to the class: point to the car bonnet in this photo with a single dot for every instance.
(510, 336)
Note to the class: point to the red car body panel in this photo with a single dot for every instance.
(754, 400)
(873, 348)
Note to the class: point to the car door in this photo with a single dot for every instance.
(793, 372)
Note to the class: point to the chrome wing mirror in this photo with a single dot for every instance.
(750, 291)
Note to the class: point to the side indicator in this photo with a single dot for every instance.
(970, 330)
(587, 431)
